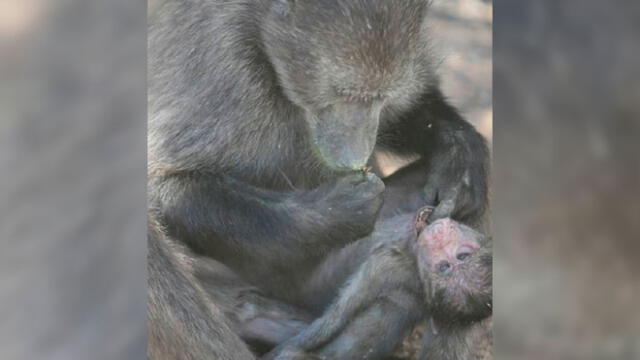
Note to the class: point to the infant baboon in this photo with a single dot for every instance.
(455, 266)
(410, 270)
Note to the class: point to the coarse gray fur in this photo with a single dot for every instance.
(183, 323)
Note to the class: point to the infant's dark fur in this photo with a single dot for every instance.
(381, 298)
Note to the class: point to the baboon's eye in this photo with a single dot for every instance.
(463, 256)
(444, 267)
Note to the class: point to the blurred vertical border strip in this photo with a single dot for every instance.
(72, 183)
(566, 179)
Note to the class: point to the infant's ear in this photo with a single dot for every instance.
(283, 7)
(422, 217)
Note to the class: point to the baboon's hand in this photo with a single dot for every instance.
(354, 199)
(456, 190)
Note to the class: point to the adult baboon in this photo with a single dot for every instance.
(262, 114)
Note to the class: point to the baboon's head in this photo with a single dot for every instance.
(455, 264)
(345, 62)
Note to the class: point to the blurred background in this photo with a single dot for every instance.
(462, 38)
(72, 179)
(566, 208)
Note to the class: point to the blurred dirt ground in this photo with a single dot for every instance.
(462, 35)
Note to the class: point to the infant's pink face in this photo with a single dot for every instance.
(455, 266)
(448, 245)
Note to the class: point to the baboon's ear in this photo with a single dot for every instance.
(283, 7)
(422, 218)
